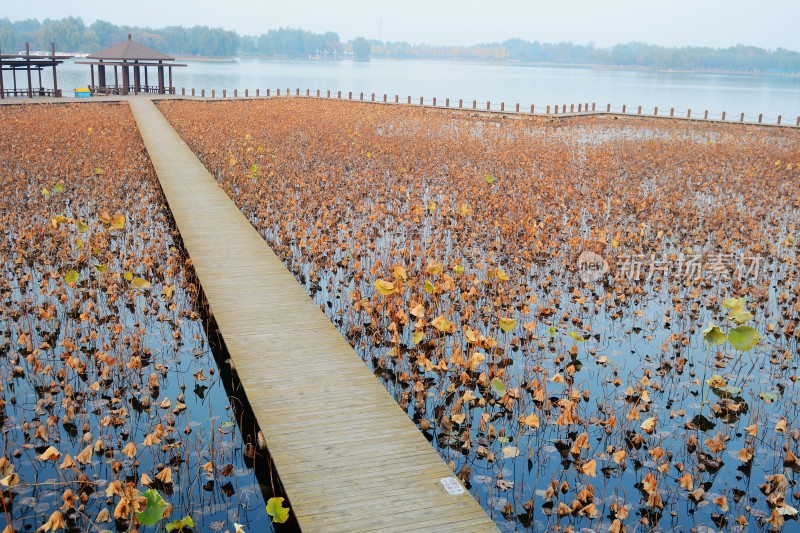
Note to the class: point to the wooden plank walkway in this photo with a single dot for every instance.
(348, 457)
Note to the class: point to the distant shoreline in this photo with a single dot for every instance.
(592, 66)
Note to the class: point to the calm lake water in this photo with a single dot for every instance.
(512, 84)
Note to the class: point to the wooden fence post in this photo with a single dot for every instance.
(203, 91)
(571, 108)
(623, 108)
(531, 109)
(213, 93)
(689, 113)
(474, 104)
(421, 101)
(741, 119)
(434, 101)
(460, 103)
(192, 91)
(517, 107)
(447, 102)
(779, 120)
(548, 110)
(672, 112)
(655, 111)
(608, 108)
(502, 106)
(705, 115)
(488, 105)
(723, 116)
(639, 111)
(760, 117)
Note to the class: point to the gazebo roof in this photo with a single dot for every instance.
(131, 50)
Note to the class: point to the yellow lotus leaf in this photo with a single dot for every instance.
(780, 427)
(649, 425)
(443, 325)
(532, 420)
(50, 453)
(57, 221)
(385, 287)
(507, 324)
(140, 283)
(400, 273)
(118, 222)
(589, 468)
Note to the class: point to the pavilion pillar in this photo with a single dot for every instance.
(125, 79)
(28, 68)
(160, 78)
(116, 80)
(170, 79)
(2, 86)
(39, 70)
(55, 77)
(136, 84)
(91, 68)
(101, 76)
(146, 81)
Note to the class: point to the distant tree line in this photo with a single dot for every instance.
(71, 35)
(635, 54)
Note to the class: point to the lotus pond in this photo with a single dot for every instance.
(116, 410)
(593, 321)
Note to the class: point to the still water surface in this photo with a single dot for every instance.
(509, 83)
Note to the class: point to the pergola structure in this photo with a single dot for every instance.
(30, 63)
(130, 61)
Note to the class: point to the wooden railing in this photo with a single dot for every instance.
(36, 91)
(552, 110)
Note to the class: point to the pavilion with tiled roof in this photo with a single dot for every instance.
(130, 61)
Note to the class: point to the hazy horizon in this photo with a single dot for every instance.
(717, 23)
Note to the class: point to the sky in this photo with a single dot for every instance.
(717, 23)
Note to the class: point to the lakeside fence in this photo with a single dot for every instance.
(543, 110)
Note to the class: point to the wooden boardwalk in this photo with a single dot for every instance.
(348, 457)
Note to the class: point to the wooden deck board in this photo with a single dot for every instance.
(348, 457)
